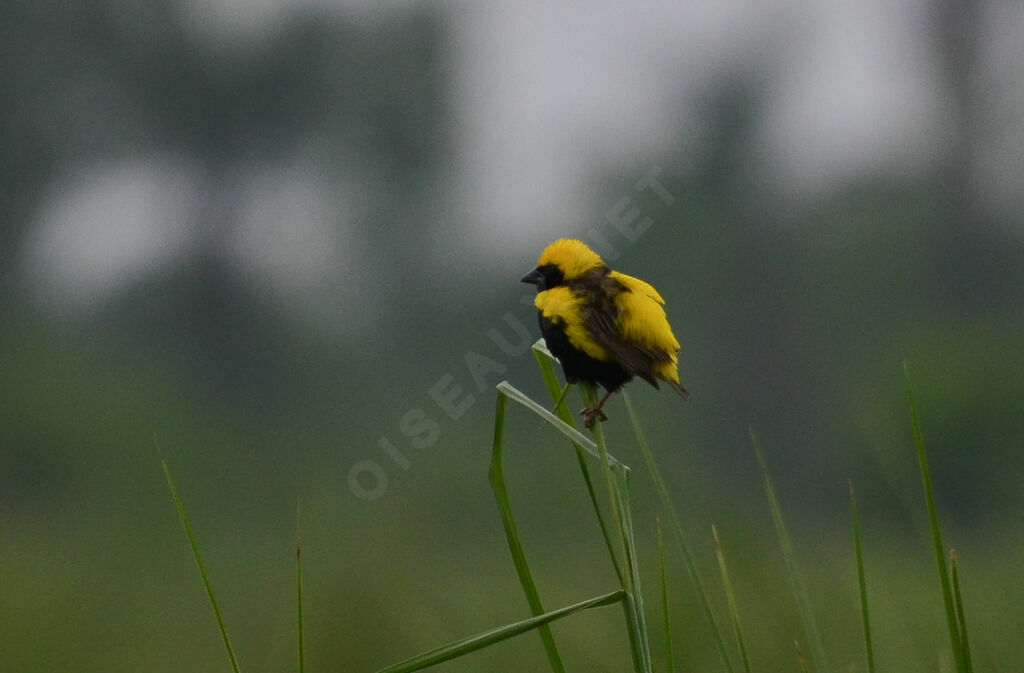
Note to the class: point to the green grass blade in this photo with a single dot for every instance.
(619, 507)
(540, 347)
(730, 597)
(635, 596)
(572, 433)
(635, 633)
(545, 363)
(954, 565)
(933, 517)
(515, 546)
(665, 615)
(788, 553)
(677, 529)
(298, 589)
(869, 652)
(609, 480)
(183, 515)
(801, 660)
(464, 646)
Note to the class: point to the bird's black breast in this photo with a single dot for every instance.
(577, 365)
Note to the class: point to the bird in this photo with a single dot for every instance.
(603, 326)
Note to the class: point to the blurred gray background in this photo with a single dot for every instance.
(277, 239)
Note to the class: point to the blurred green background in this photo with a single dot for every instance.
(263, 233)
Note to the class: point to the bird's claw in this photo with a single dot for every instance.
(592, 415)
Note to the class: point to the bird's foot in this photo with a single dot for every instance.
(592, 415)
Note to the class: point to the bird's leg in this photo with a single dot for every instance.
(594, 414)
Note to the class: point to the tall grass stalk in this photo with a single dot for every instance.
(933, 518)
(869, 652)
(515, 546)
(183, 515)
(792, 568)
(730, 597)
(954, 565)
(636, 595)
(665, 613)
(677, 529)
(618, 494)
(590, 398)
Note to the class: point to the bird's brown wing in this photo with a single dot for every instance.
(601, 315)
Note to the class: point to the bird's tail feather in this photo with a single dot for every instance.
(683, 392)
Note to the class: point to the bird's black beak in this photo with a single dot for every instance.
(533, 278)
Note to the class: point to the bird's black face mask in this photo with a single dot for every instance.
(545, 277)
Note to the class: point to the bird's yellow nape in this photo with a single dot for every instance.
(570, 255)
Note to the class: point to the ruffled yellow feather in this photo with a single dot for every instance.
(644, 323)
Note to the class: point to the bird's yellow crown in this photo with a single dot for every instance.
(572, 256)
